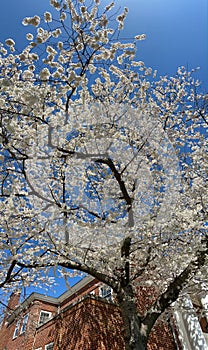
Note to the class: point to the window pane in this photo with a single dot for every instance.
(24, 323)
(16, 329)
(106, 292)
(44, 317)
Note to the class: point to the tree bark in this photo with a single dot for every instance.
(135, 333)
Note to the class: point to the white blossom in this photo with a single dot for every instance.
(27, 75)
(29, 36)
(140, 37)
(47, 17)
(137, 63)
(10, 42)
(34, 21)
(56, 33)
(60, 45)
(63, 16)
(55, 4)
(44, 74)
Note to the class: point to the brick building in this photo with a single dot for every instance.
(83, 318)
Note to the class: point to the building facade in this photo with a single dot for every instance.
(83, 318)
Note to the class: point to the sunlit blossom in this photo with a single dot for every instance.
(140, 37)
(34, 21)
(44, 74)
(47, 17)
(29, 36)
(55, 4)
(28, 74)
(10, 42)
(56, 33)
(63, 16)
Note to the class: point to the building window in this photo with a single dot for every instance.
(106, 292)
(24, 324)
(44, 317)
(49, 346)
(16, 329)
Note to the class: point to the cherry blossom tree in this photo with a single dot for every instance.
(103, 166)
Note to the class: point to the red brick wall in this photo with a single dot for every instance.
(13, 301)
(161, 337)
(45, 334)
(24, 341)
(97, 325)
(6, 334)
(21, 341)
(89, 325)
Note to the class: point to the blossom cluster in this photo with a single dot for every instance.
(95, 151)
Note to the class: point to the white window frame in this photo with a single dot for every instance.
(47, 345)
(24, 323)
(16, 331)
(104, 294)
(46, 312)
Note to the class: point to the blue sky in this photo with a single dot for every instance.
(176, 30)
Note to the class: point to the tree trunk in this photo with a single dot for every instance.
(136, 335)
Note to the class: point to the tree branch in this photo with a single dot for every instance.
(125, 252)
(118, 177)
(175, 287)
